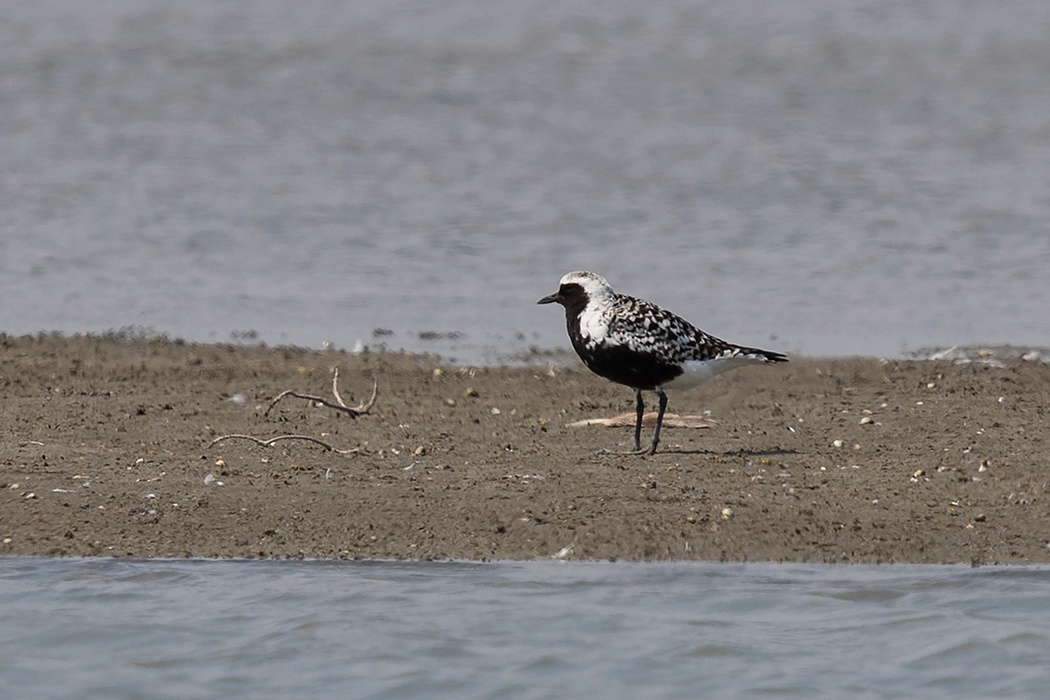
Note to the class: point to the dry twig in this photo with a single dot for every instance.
(340, 406)
(268, 442)
(672, 420)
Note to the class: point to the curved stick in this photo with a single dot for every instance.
(361, 409)
(268, 442)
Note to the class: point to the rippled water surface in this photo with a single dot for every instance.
(101, 628)
(844, 178)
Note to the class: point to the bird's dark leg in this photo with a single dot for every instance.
(659, 419)
(638, 422)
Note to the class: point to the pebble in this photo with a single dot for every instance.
(837, 443)
(865, 420)
(727, 513)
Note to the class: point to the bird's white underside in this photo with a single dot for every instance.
(696, 372)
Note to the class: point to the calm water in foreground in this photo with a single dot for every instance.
(101, 628)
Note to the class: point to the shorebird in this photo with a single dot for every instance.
(636, 343)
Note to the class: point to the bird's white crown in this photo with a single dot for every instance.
(595, 286)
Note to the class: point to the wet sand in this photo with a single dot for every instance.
(105, 451)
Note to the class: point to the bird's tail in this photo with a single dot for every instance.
(767, 356)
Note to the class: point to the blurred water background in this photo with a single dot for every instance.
(825, 178)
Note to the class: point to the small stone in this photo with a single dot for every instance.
(930, 385)
(837, 443)
(980, 518)
(450, 402)
(919, 472)
(438, 372)
(220, 462)
(727, 513)
(865, 420)
(690, 519)
(470, 392)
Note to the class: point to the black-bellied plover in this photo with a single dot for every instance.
(634, 342)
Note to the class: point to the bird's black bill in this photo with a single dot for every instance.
(548, 299)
